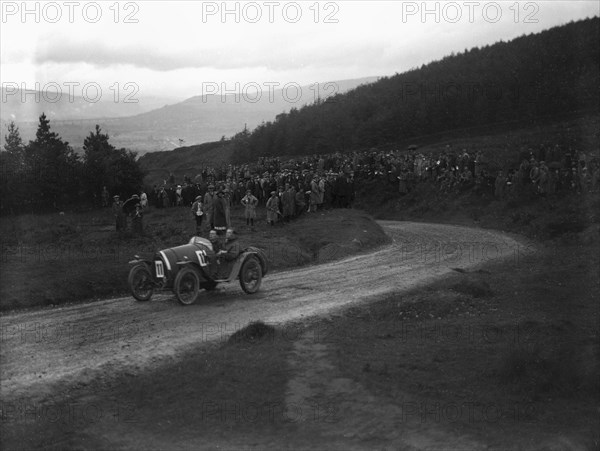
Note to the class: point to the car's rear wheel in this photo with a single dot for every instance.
(187, 285)
(251, 275)
(141, 282)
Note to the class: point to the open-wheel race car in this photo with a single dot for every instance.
(195, 266)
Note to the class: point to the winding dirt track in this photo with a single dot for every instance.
(46, 347)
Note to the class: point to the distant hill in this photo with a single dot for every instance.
(185, 160)
(28, 105)
(538, 79)
(195, 120)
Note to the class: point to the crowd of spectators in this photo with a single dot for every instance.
(286, 190)
(292, 187)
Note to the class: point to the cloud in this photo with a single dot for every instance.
(332, 52)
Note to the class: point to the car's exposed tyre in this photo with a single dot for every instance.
(250, 275)
(141, 282)
(187, 285)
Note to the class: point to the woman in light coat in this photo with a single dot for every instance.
(273, 208)
(249, 201)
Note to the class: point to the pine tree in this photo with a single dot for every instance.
(12, 163)
(52, 176)
(104, 165)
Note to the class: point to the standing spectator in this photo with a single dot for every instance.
(209, 206)
(250, 202)
(144, 200)
(227, 199)
(179, 196)
(137, 225)
(300, 202)
(288, 199)
(163, 198)
(321, 192)
(272, 208)
(314, 194)
(198, 213)
(500, 185)
(220, 214)
(543, 178)
(117, 209)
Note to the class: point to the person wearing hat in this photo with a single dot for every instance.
(272, 208)
(288, 200)
(209, 206)
(231, 249)
(227, 199)
(300, 200)
(117, 209)
(250, 202)
(198, 214)
(315, 193)
(220, 213)
(179, 196)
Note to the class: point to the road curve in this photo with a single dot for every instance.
(45, 347)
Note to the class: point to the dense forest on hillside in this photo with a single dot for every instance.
(534, 76)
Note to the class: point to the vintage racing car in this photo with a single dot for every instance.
(192, 267)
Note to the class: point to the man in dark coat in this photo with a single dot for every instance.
(231, 250)
(209, 206)
(300, 201)
(288, 198)
(220, 213)
(137, 224)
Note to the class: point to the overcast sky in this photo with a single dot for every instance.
(177, 49)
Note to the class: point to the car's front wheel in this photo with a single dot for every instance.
(251, 275)
(187, 285)
(141, 282)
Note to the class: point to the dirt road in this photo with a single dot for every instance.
(43, 348)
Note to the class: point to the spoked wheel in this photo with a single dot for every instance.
(141, 283)
(251, 275)
(187, 285)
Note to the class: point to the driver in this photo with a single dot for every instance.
(231, 249)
